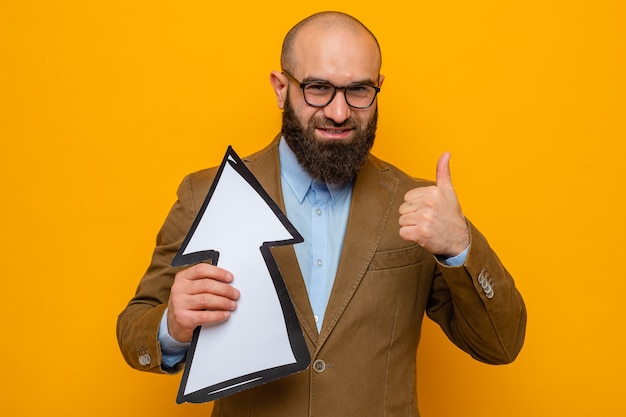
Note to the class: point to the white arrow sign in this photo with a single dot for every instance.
(262, 341)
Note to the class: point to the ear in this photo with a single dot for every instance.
(279, 84)
(381, 78)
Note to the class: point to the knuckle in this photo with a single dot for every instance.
(206, 300)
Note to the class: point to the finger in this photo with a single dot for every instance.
(419, 194)
(215, 296)
(405, 220)
(181, 324)
(203, 270)
(201, 280)
(406, 208)
(444, 178)
(204, 285)
(210, 301)
(210, 286)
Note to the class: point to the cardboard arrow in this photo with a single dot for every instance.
(262, 340)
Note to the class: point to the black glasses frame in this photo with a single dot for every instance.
(304, 84)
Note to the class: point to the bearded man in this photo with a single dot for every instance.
(380, 249)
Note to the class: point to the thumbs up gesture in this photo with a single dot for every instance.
(432, 217)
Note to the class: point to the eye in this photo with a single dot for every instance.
(360, 89)
(319, 88)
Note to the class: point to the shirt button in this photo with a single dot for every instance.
(320, 263)
(318, 212)
(316, 318)
(319, 366)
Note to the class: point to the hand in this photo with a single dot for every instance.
(201, 294)
(432, 217)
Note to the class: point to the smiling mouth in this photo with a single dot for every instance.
(334, 132)
(338, 131)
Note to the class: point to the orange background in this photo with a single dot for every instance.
(105, 105)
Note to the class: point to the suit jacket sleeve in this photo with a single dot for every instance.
(478, 306)
(138, 324)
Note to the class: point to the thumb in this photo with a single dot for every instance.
(444, 179)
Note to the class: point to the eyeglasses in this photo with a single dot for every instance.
(322, 93)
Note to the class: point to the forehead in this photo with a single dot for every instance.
(339, 54)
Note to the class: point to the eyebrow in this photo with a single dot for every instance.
(367, 81)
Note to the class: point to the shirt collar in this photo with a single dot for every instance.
(299, 180)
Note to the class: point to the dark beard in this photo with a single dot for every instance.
(333, 161)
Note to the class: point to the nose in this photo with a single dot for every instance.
(338, 110)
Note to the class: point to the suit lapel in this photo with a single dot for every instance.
(372, 199)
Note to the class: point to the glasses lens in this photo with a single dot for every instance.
(318, 94)
(360, 95)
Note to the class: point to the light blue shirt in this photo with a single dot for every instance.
(320, 213)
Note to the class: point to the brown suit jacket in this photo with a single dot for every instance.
(363, 360)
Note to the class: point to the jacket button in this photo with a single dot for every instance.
(483, 276)
(319, 366)
(144, 356)
(145, 359)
